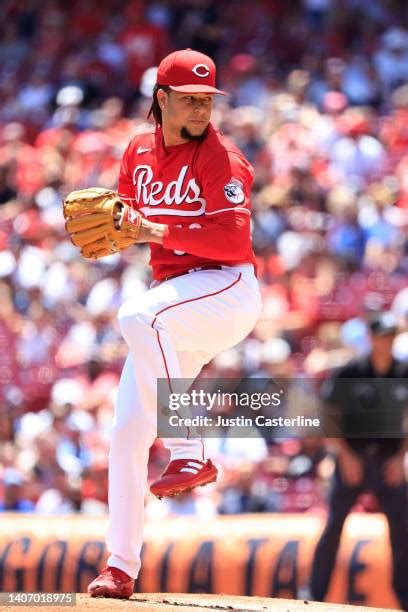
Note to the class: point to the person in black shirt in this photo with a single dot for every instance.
(366, 401)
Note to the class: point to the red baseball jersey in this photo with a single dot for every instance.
(200, 190)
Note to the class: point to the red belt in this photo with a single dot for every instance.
(166, 278)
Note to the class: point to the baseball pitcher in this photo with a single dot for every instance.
(185, 190)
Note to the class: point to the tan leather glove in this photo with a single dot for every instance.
(99, 223)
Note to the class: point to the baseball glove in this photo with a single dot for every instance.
(99, 223)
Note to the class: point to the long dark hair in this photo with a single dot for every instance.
(155, 109)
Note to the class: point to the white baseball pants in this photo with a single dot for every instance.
(172, 330)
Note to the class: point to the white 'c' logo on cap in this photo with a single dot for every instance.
(201, 70)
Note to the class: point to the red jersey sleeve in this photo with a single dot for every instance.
(226, 183)
(227, 239)
(125, 185)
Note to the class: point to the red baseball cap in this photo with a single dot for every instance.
(188, 71)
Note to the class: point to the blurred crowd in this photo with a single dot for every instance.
(318, 104)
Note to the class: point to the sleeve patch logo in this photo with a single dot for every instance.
(234, 191)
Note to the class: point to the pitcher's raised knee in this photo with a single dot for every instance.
(134, 320)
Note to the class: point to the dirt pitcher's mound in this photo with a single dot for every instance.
(175, 602)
